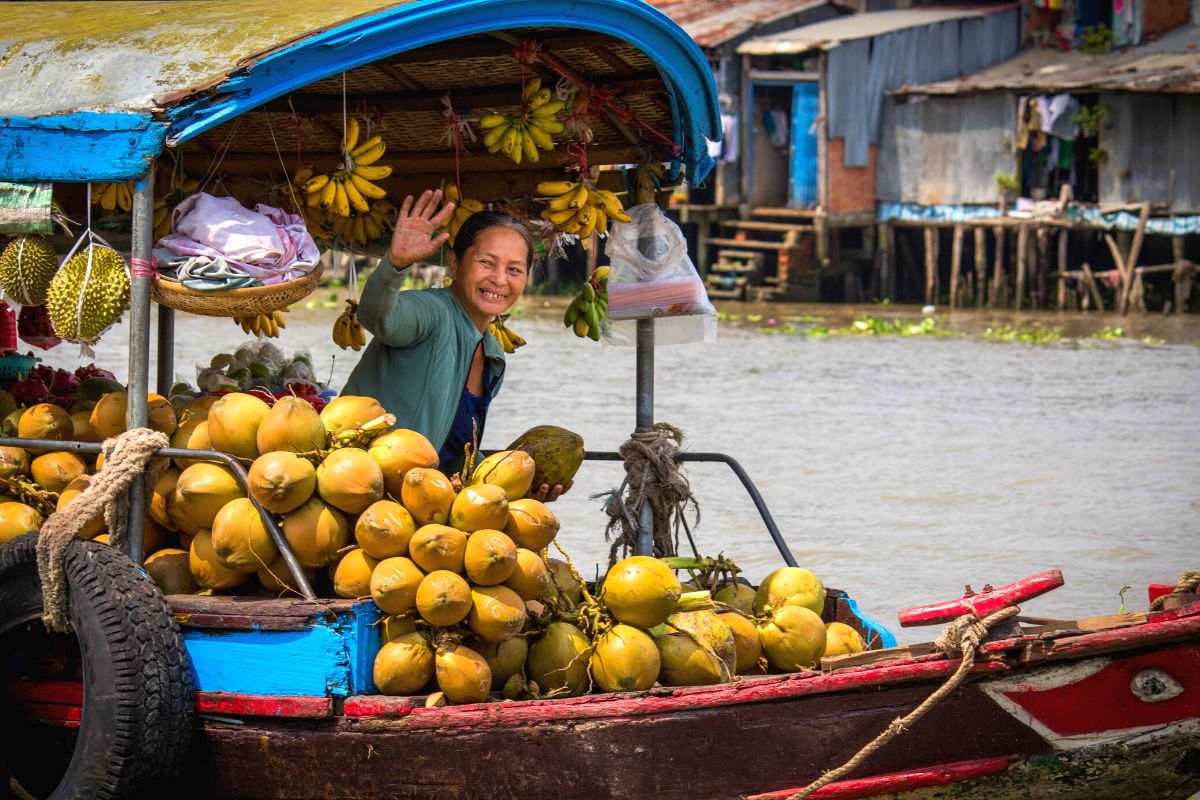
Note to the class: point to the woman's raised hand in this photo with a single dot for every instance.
(413, 239)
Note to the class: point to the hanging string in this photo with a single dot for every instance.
(219, 156)
(287, 179)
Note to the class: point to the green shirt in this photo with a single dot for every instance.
(417, 363)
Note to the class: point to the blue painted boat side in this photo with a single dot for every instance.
(79, 147)
(335, 656)
(364, 642)
(876, 632)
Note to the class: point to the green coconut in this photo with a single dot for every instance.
(789, 586)
(292, 425)
(404, 665)
(625, 660)
(641, 591)
(558, 661)
(462, 674)
(557, 453)
(793, 639)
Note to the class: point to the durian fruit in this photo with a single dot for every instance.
(26, 267)
(105, 292)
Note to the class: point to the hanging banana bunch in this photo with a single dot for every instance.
(347, 332)
(180, 187)
(464, 208)
(262, 324)
(351, 186)
(588, 308)
(522, 135)
(509, 339)
(110, 196)
(577, 208)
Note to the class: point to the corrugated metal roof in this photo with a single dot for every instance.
(714, 22)
(1170, 64)
(831, 33)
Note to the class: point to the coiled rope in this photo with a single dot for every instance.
(1188, 582)
(125, 457)
(960, 637)
(652, 475)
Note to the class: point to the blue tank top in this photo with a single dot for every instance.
(466, 427)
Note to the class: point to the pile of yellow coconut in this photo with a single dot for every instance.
(472, 603)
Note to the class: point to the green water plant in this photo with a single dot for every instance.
(1026, 334)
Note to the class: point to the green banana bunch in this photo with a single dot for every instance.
(589, 307)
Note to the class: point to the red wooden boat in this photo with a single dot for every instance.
(1096, 708)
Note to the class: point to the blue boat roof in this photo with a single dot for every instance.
(94, 91)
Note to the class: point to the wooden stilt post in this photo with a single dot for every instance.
(930, 262)
(1182, 276)
(955, 264)
(889, 244)
(995, 299)
(1131, 257)
(1043, 266)
(980, 266)
(1022, 256)
(1093, 289)
(1063, 234)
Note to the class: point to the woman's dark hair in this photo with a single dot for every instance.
(481, 221)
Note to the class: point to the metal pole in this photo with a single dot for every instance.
(139, 345)
(645, 421)
(165, 378)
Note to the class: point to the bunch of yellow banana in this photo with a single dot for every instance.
(110, 196)
(362, 228)
(521, 136)
(351, 186)
(162, 218)
(577, 208)
(263, 324)
(347, 332)
(509, 339)
(589, 306)
(464, 208)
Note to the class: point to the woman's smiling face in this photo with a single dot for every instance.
(491, 275)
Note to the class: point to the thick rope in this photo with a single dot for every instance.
(652, 476)
(1188, 582)
(961, 636)
(125, 457)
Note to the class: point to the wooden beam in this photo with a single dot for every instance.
(503, 96)
(402, 80)
(955, 264)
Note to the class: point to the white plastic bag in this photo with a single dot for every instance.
(651, 276)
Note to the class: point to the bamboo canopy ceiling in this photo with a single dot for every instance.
(254, 84)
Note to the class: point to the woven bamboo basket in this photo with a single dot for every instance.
(235, 302)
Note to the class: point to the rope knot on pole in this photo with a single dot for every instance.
(125, 457)
(652, 476)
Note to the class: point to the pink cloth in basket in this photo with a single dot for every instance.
(268, 243)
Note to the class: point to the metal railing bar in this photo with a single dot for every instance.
(743, 476)
(229, 461)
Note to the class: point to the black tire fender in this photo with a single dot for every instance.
(136, 722)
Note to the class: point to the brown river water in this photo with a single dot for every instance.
(898, 468)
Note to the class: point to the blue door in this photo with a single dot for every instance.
(802, 186)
